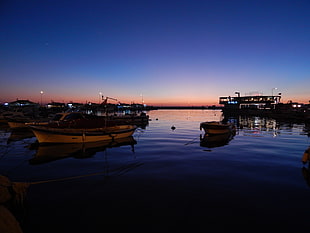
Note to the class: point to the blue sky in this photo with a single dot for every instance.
(186, 52)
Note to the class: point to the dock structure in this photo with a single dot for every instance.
(265, 106)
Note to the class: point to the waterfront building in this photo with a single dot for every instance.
(250, 102)
(22, 103)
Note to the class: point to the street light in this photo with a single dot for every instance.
(100, 96)
(41, 92)
(237, 93)
(273, 89)
(142, 98)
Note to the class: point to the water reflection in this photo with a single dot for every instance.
(216, 140)
(307, 129)
(255, 123)
(20, 134)
(48, 153)
(257, 126)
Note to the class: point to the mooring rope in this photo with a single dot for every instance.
(119, 171)
(191, 141)
(66, 178)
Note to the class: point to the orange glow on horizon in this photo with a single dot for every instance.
(172, 101)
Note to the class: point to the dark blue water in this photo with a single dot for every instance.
(165, 180)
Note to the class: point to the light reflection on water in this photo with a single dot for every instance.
(259, 164)
(266, 139)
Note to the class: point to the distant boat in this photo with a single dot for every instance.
(4, 116)
(17, 122)
(83, 120)
(47, 134)
(140, 120)
(24, 121)
(217, 127)
(79, 120)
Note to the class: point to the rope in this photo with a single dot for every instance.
(191, 142)
(120, 171)
(66, 178)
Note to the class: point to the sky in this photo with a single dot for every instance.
(160, 52)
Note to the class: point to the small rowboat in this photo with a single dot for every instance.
(217, 127)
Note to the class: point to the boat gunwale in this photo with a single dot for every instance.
(215, 125)
(86, 132)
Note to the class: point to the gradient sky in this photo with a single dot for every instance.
(170, 52)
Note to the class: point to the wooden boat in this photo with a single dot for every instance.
(4, 116)
(17, 123)
(217, 127)
(137, 119)
(48, 134)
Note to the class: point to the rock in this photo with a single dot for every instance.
(8, 223)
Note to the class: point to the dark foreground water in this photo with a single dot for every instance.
(164, 180)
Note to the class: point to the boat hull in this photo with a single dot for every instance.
(16, 124)
(216, 127)
(46, 134)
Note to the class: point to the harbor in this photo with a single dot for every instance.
(166, 179)
(154, 116)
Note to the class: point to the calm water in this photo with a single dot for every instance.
(164, 180)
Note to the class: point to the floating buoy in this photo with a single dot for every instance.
(305, 157)
(173, 127)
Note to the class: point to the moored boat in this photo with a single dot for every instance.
(17, 123)
(4, 116)
(138, 119)
(47, 134)
(217, 127)
(23, 122)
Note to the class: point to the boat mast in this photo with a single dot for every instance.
(105, 103)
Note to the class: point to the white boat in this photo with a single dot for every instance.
(217, 127)
(46, 134)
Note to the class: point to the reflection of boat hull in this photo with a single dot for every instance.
(215, 127)
(46, 134)
(51, 152)
(216, 140)
(20, 134)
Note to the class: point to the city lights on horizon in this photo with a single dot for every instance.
(149, 100)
